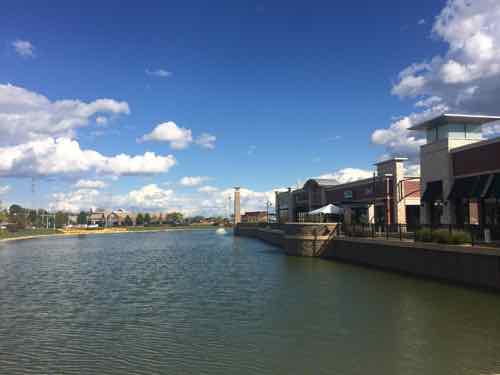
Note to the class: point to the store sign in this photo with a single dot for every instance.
(348, 194)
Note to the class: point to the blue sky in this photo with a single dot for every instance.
(290, 89)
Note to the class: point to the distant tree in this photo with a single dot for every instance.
(15, 209)
(160, 219)
(139, 220)
(3, 216)
(61, 219)
(82, 217)
(147, 218)
(18, 215)
(128, 221)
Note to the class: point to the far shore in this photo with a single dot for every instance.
(117, 230)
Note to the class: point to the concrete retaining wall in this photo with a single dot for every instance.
(474, 266)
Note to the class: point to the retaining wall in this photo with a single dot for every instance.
(474, 266)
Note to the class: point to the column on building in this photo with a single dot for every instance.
(291, 206)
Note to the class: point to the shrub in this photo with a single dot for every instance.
(460, 237)
(424, 235)
(441, 236)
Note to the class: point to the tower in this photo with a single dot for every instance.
(237, 207)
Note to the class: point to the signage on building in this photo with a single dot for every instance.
(348, 194)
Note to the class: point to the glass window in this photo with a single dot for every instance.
(456, 131)
(473, 132)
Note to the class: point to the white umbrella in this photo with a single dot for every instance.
(329, 209)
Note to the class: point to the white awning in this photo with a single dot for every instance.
(329, 209)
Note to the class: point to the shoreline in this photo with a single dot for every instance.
(90, 233)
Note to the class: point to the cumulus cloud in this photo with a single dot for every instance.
(24, 48)
(206, 140)
(90, 184)
(78, 200)
(52, 156)
(465, 78)
(26, 115)
(193, 180)
(178, 137)
(154, 198)
(4, 189)
(471, 29)
(162, 73)
(343, 176)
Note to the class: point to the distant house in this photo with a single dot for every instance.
(254, 217)
(117, 218)
(97, 218)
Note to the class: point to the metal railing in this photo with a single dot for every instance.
(451, 234)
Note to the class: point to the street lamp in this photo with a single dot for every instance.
(268, 206)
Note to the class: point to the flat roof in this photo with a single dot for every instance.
(392, 159)
(454, 118)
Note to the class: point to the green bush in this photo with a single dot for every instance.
(443, 236)
(424, 235)
(460, 237)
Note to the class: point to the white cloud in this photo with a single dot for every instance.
(206, 140)
(346, 175)
(465, 78)
(52, 156)
(158, 73)
(421, 21)
(24, 48)
(75, 201)
(178, 137)
(26, 115)
(208, 189)
(4, 189)
(154, 198)
(193, 180)
(471, 29)
(90, 184)
(148, 197)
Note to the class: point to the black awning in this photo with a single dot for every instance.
(463, 187)
(494, 189)
(480, 186)
(433, 192)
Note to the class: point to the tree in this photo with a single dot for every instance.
(18, 215)
(139, 220)
(82, 218)
(160, 219)
(147, 219)
(128, 221)
(61, 219)
(3, 216)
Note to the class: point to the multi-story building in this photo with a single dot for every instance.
(460, 172)
(389, 197)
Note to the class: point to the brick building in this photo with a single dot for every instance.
(460, 172)
(389, 197)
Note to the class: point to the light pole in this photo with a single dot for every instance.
(268, 206)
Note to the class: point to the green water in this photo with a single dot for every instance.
(193, 302)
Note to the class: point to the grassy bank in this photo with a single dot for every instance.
(28, 233)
